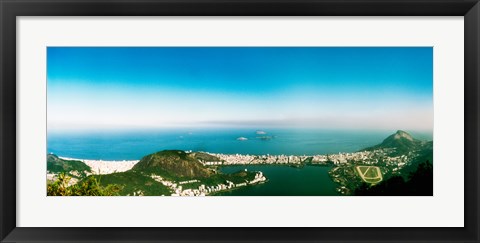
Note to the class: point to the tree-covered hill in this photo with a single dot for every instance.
(132, 183)
(173, 164)
(401, 141)
(73, 168)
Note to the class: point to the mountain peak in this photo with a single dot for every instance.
(402, 134)
(401, 141)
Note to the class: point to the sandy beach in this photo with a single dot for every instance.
(100, 167)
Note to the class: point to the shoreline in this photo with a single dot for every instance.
(96, 160)
(101, 167)
(112, 166)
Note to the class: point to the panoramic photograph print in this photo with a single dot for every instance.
(239, 121)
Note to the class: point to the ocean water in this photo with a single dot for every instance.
(133, 145)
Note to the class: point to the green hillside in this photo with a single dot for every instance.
(179, 166)
(425, 154)
(173, 165)
(73, 168)
(401, 141)
(131, 182)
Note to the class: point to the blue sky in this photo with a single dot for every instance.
(323, 87)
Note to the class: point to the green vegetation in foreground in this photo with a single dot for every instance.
(426, 154)
(419, 183)
(88, 187)
(72, 168)
(172, 165)
(132, 183)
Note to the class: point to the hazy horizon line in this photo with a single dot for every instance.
(252, 128)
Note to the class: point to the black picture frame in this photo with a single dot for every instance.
(10, 9)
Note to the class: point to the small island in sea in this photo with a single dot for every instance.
(400, 165)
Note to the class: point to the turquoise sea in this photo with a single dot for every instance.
(133, 145)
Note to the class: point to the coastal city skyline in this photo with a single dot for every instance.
(317, 87)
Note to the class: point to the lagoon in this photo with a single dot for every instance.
(285, 180)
